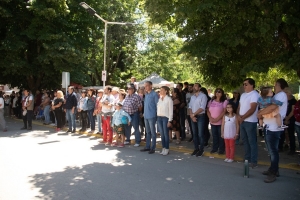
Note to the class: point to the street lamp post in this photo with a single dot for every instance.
(92, 12)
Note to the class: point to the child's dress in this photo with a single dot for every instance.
(229, 134)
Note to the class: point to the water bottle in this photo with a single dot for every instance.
(246, 169)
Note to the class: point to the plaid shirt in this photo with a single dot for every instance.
(132, 103)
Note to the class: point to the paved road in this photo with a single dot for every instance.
(42, 164)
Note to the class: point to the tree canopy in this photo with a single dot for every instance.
(41, 39)
(215, 42)
(231, 38)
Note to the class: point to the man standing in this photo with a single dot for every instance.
(27, 110)
(182, 112)
(186, 87)
(115, 93)
(2, 120)
(272, 134)
(150, 117)
(70, 109)
(188, 96)
(98, 110)
(247, 111)
(108, 102)
(197, 113)
(132, 105)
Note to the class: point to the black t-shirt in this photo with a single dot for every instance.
(56, 102)
(291, 103)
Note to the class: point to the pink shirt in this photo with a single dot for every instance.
(216, 108)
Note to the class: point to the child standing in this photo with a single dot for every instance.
(264, 101)
(120, 117)
(230, 131)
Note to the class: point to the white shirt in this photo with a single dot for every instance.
(165, 108)
(271, 123)
(197, 102)
(111, 99)
(281, 96)
(14, 102)
(1, 102)
(30, 97)
(245, 105)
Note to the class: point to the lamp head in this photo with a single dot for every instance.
(90, 10)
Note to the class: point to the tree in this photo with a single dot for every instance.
(159, 51)
(234, 37)
(41, 39)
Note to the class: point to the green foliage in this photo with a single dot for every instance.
(41, 41)
(234, 37)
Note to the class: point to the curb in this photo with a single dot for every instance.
(291, 166)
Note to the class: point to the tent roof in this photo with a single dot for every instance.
(156, 80)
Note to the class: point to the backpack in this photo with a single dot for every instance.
(297, 111)
(124, 119)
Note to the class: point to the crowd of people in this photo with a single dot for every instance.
(188, 108)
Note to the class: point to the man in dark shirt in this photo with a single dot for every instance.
(182, 111)
(70, 109)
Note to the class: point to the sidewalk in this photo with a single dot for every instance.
(285, 161)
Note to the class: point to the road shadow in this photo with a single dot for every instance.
(83, 182)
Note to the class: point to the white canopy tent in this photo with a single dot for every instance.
(156, 80)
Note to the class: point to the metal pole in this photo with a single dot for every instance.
(104, 58)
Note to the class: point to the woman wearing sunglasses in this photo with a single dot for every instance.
(215, 112)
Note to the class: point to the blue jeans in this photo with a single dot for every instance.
(162, 123)
(151, 133)
(92, 119)
(218, 141)
(248, 132)
(135, 124)
(71, 119)
(99, 123)
(297, 130)
(198, 131)
(272, 140)
(47, 114)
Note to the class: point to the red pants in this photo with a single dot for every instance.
(107, 128)
(230, 148)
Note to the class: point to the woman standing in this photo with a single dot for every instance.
(164, 117)
(46, 107)
(290, 120)
(98, 108)
(14, 105)
(82, 110)
(19, 105)
(235, 103)
(215, 112)
(57, 107)
(91, 106)
(235, 100)
(122, 95)
(206, 130)
(176, 120)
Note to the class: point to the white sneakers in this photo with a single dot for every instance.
(136, 145)
(164, 152)
(228, 160)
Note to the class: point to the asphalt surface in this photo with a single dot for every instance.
(43, 164)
